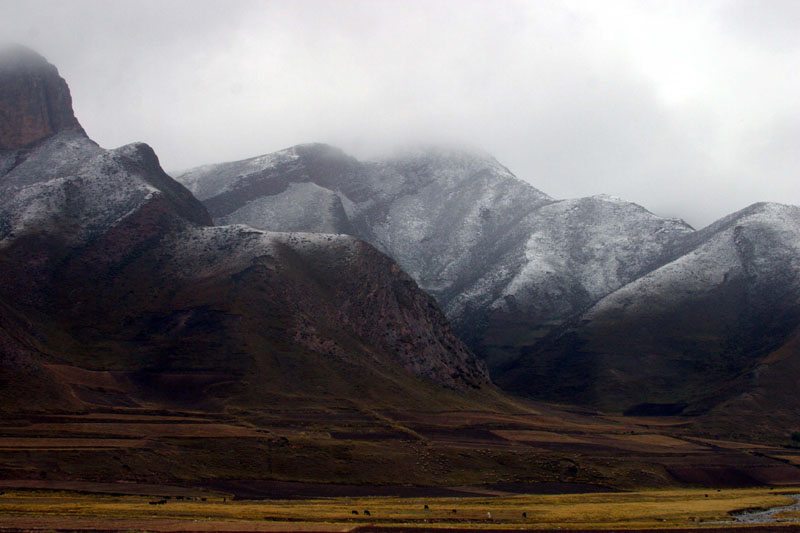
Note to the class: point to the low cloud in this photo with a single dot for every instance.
(686, 108)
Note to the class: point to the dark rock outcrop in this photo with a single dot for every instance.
(35, 102)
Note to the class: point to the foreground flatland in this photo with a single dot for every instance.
(685, 509)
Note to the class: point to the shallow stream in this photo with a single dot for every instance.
(768, 516)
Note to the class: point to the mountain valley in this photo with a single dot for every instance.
(282, 325)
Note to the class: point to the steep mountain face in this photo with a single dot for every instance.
(574, 252)
(691, 333)
(109, 265)
(34, 105)
(505, 261)
(286, 191)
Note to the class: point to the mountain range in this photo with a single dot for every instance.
(594, 300)
(309, 278)
(110, 266)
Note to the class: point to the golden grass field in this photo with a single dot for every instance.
(644, 509)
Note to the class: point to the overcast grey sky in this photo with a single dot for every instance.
(689, 108)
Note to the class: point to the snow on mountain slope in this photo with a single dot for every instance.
(437, 212)
(70, 186)
(489, 247)
(689, 334)
(577, 251)
(760, 244)
(248, 186)
(304, 207)
(225, 176)
(570, 254)
(591, 300)
(446, 219)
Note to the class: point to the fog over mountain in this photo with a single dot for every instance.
(686, 108)
(592, 300)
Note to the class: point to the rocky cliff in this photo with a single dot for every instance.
(35, 102)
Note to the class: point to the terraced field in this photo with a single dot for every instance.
(530, 447)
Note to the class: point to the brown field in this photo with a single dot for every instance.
(529, 435)
(270, 471)
(731, 444)
(142, 429)
(648, 443)
(658, 441)
(68, 443)
(126, 417)
(648, 421)
(354, 451)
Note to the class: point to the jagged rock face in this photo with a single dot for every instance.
(110, 265)
(273, 315)
(333, 296)
(505, 261)
(34, 105)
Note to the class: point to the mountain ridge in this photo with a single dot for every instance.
(445, 215)
(514, 269)
(593, 300)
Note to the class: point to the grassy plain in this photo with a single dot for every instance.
(642, 509)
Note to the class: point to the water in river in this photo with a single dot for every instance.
(768, 516)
